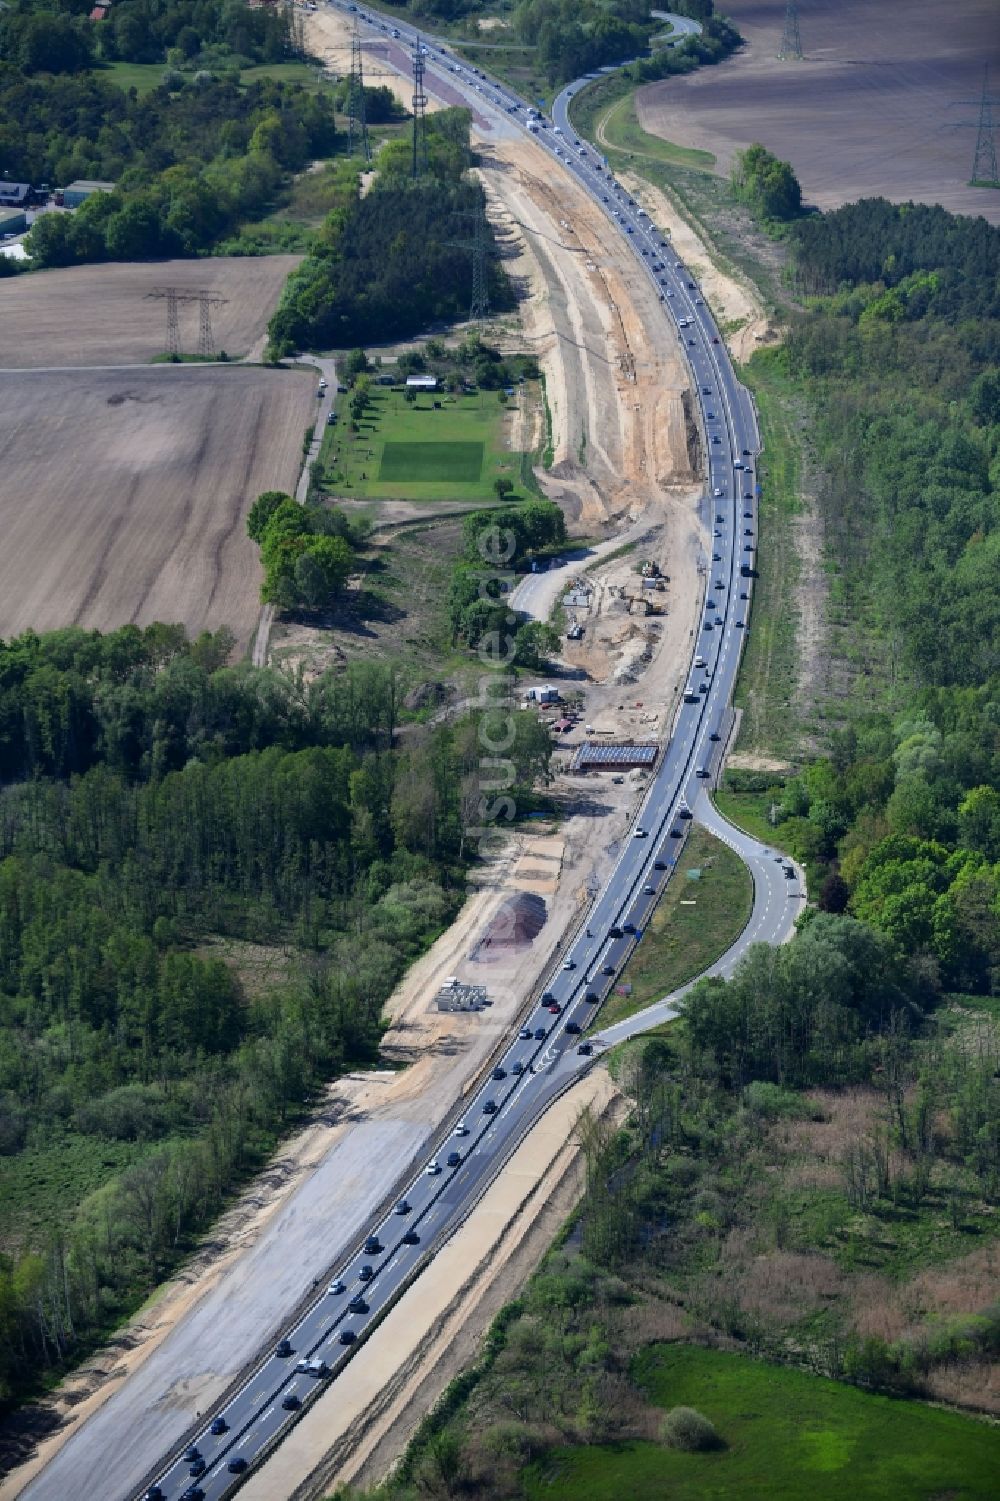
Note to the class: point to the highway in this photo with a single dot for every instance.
(545, 1056)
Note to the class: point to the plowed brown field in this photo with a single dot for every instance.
(869, 111)
(124, 493)
(103, 315)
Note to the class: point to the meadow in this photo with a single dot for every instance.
(784, 1434)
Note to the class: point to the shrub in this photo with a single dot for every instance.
(686, 1428)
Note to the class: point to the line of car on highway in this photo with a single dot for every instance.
(321, 1342)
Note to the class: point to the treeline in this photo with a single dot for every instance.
(56, 36)
(190, 166)
(145, 702)
(572, 37)
(499, 544)
(766, 184)
(304, 551)
(900, 825)
(901, 820)
(159, 807)
(874, 241)
(719, 38)
(388, 264)
(809, 1012)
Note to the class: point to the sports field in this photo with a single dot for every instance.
(429, 462)
(454, 450)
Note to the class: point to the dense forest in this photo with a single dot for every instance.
(190, 162)
(57, 36)
(899, 353)
(157, 808)
(386, 265)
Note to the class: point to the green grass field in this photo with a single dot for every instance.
(605, 113)
(428, 463)
(146, 76)
(696, 921)
(787, 1436)
(417, 451)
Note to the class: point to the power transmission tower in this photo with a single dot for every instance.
(206, 299)
(296, 29)
(479, 248)
(984, 160)
(791, 41)
(173, 325)
(984, 163)
(419, 114)
(356, 101)
(480, 306)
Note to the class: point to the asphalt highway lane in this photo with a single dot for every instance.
(543, 1059)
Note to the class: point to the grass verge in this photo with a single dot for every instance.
(617, 129)
(768, 676)
(697, 920)
(784, 1434)
(144, 77)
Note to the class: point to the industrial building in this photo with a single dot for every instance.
(79, 191)
(622, 757)
(14, 194)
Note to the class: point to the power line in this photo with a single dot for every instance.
(169, 294)
(419, 114)
(358, 124)
(791, 40)
(480, 306)
(479, 248)
(206, 300)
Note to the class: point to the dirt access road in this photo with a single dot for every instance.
(869, 111)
